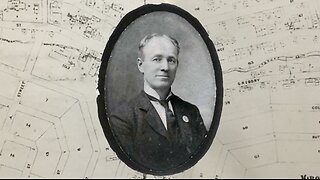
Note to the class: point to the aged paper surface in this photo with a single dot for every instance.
(50, 52)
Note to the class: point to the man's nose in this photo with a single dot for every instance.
(164, 65)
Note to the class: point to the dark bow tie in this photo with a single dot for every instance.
(163, 102)
(171, 119)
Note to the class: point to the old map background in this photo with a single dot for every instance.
(50, 52)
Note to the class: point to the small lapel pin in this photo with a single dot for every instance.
(185, 119)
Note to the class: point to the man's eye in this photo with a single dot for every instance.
(171, 60)
(156, 59)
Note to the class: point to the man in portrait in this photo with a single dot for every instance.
(157, 128)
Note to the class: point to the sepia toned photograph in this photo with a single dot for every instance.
(160, 93)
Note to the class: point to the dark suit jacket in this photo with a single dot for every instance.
(141, 133)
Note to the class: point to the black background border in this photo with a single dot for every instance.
(101, 100)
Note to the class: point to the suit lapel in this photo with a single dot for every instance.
(184, 127)
(152, 116)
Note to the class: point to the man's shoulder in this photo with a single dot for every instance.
(141, 101)
(138, 100)
(183, 103)
(185, 109)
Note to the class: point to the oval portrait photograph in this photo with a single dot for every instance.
(160, 86)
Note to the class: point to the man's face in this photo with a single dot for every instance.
(159, 63)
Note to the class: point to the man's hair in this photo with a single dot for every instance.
(148, 37)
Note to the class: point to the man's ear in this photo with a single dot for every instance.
(140, 63)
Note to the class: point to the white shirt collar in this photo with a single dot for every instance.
(152, 92)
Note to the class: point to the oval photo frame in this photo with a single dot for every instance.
(119, 81)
